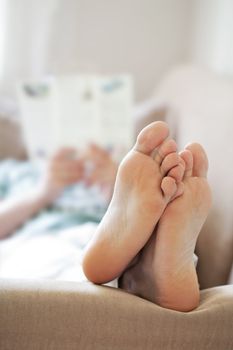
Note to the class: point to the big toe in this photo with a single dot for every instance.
(200, 160)
(151, 137)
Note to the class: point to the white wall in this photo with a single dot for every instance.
(2, 32)
(145, 38)
(212, 43)
(27, 25)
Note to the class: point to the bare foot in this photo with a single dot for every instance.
(165, 271)
(142, 191)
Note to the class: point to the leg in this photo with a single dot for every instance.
(165, 271)
(141, 193)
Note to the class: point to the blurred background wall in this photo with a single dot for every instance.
(145, 38)
(212, 39)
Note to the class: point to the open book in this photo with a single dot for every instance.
(76, 110)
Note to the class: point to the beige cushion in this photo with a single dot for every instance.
(11, 143)
(67, 316)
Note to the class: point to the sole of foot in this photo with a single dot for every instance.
(165, 272)
(147, 179)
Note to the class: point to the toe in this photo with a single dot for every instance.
(179, 191)
(169, 187)
(167, 147)
(187, 157)
(169, 162)
(151, 137)
(200, 160)
(177, 173)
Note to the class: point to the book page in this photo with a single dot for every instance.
(35, 100)
(114, 95)
(77, 110)
(75, 116)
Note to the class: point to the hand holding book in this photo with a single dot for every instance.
(94, 166)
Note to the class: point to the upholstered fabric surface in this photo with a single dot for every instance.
(11, 142)
(55, 315)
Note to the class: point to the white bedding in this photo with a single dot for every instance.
(57, 255)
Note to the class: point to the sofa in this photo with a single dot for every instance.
(47, 314)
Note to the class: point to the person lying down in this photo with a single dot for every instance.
(147, 237)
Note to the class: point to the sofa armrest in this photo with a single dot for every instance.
(68, 315)
(11, 139)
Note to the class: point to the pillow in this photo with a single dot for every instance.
(11, 142)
